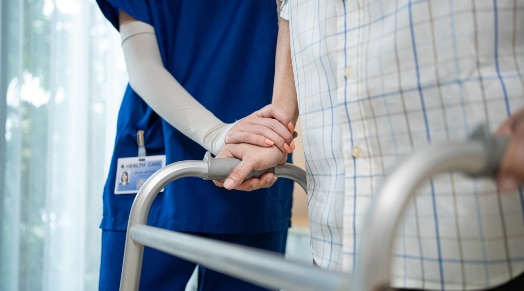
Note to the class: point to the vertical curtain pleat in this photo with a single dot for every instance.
(11, 222)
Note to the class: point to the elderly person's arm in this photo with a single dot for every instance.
(284, 99)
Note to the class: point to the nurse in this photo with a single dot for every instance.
(197, 69)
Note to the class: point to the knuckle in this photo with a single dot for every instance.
(237, 175)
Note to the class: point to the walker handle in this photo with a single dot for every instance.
(219, 169)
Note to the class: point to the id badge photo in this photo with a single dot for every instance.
(134, 171)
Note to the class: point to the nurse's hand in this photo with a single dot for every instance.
(511, 171)
(253, 158)
(266, 127)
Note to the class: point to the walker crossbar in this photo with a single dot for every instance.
(478, 157)
(260, 267)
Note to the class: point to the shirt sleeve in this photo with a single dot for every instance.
(284, 10)
(137, 9)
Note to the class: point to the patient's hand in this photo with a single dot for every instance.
(253, 158)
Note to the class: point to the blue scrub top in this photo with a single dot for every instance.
(222, 52)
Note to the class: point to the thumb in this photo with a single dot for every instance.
(238, 175)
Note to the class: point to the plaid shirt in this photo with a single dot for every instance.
(375, 81)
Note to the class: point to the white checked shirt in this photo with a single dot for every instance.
(377, 80)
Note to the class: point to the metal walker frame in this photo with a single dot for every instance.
(479, 156)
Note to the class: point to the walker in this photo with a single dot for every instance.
(479, 156)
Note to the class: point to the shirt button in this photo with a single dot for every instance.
(348, 72)
(356, 151)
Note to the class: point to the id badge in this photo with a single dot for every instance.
(133, 172)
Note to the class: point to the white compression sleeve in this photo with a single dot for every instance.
(159, 89)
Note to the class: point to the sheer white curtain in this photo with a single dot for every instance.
(61, 79)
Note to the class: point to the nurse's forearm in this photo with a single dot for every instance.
(159, 89)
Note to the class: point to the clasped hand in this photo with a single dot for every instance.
(261, 140)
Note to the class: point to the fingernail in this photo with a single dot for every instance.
(508, 184)
(228, 183)
(269, 142)
(287, 148)
(292, 144)
(291, 127)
